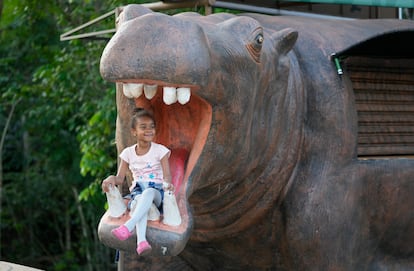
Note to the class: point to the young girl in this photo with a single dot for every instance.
(148, 162)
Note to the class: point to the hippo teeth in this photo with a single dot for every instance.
(150, 91)
(183, 95)
(135, 90)
(170, 95)
(127, 90)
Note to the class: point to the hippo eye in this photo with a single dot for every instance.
(255, 45)
(259, 39)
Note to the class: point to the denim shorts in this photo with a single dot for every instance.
(140, 187)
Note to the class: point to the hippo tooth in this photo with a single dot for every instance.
(127, 90)
(135, 89)
(183, 95)
(150, 91)
(170, 95)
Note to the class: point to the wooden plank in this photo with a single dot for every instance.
(388, 129)
(376, 3)
(384, 98)
(386, 139)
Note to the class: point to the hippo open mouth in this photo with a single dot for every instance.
(183, 122)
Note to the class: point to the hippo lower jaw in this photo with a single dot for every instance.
(183, 121)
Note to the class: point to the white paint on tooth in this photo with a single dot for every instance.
(150, 91)
(170, 95)
(183, 95)
(127, 90)
(135, 89)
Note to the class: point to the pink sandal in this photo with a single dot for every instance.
(122, 233)
(144, 248)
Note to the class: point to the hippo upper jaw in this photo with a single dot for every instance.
(134, 52)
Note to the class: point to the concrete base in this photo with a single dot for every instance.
(5, 266)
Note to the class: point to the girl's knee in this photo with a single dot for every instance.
(150, 191)
(154, 194)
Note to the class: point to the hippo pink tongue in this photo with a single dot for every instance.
(177, 160)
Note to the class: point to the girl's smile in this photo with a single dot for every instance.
(144, 130)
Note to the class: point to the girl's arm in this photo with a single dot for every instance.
(165, 164)
(116, 180)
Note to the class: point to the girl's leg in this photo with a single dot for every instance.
(148, 196)
(139, 216)
(141, 228)
(143, 247)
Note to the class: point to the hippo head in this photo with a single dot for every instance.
(220, 88)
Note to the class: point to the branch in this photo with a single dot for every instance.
(3, 137)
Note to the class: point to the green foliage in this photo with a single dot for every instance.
(64, 106)
(98, 152)
(60, 142)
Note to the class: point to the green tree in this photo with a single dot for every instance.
(53, 104)
(57, 123)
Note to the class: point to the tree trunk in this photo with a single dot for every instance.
(3, 137)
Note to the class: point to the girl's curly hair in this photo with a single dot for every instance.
(139, 113)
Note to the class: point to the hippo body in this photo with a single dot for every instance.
(272, 178)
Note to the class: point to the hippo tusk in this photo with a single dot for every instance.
(170, 95)
(150, 91)
(183, 95)
(134, 90)
(127, 90)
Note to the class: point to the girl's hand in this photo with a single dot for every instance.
(107, 183)
(168, 186)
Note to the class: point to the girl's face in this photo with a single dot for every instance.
(144, 129)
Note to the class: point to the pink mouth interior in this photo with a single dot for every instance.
(178, 159)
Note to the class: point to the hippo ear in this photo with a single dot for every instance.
(284, 40)
(132, 11)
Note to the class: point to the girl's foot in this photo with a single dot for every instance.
(122, 233)
(144, 248)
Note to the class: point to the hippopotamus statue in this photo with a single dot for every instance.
(263, 129)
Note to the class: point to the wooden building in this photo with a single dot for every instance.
(361, 9)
